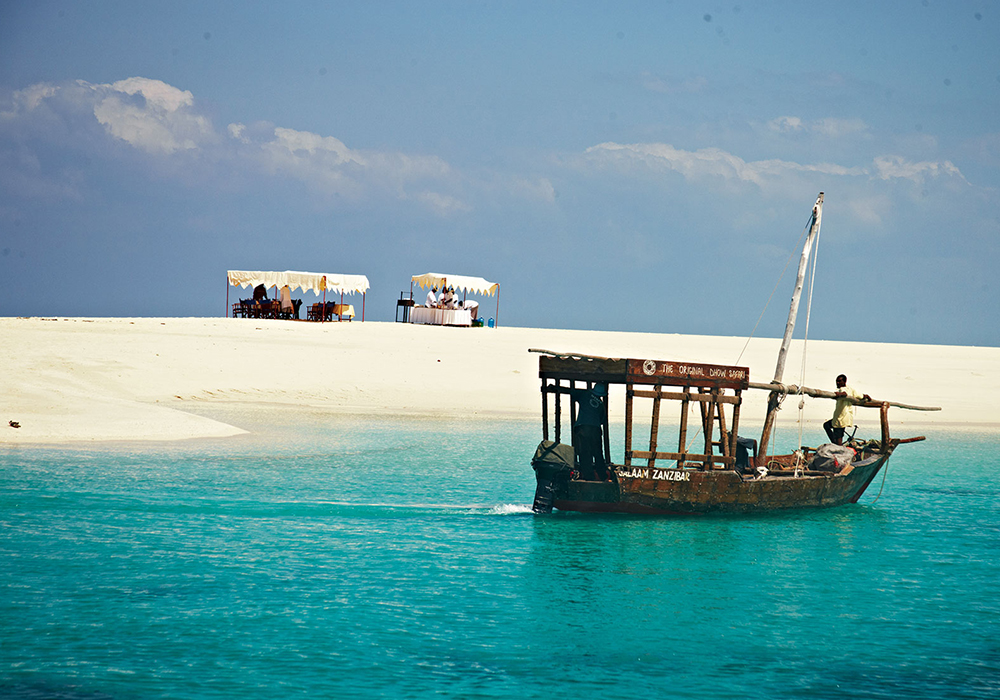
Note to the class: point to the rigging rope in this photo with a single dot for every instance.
(783, 394)
(884, 472)
(776, 284)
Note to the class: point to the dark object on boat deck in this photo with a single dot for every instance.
(553, 465)
(744, 447)
(831, 458)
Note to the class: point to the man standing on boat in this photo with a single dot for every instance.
(843, 413)
(587, 432)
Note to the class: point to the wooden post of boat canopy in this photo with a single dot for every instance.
(573, 404)
(682, 442)
(607, 432)
(723, 442)
(736, 423)
(710, 429)
(701, 409)
(545, 409)
(654, 427)
(572, 414)
(558, 409)
(629, 392)
(884, 417)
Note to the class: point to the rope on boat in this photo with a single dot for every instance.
(884, 472)
(782, 392)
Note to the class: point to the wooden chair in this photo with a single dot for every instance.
(406, 305)
(268, 309)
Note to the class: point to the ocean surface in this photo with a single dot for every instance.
(327, 557)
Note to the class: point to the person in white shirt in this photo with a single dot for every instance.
(448, 299)
(432, 300)
(287, 307)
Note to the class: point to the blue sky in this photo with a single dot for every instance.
(618, 166)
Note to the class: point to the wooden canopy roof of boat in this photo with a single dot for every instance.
(592, 368)
(615, 370)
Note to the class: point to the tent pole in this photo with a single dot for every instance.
(363, 294)
(227, 296)
(322, 315)
(340, 316)
(496, 319)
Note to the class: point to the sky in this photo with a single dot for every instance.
(643, 167)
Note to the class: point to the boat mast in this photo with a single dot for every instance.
(793, 310)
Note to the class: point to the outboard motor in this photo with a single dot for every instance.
(553, 465)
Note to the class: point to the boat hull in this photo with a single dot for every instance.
(651, 490)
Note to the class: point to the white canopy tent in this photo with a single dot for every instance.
(317, 282)
(476, 285)
(466, 284)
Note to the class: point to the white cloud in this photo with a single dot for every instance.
(708, 162)
(441, 203)
(156, 92)
(890, 167)
(330, 167)
(714, 162)
(308, 146)
(238, 132)
(150, 115)
(164, 122)
(785, 125)
(691, 164)
(29, 98)
(780, 167)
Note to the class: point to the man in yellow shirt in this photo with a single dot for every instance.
(843, 413)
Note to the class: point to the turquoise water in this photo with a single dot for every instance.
(336, 557)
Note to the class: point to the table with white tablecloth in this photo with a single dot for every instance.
(441, 317)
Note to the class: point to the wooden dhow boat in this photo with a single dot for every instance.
(712, 470)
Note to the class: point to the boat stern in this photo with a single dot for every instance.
(553, 465)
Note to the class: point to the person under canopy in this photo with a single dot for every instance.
(587, 435)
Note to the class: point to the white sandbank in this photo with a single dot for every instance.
(82, 379)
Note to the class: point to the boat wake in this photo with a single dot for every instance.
(416, 509)
(510, 509)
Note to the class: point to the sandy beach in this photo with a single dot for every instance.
(65, 380)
